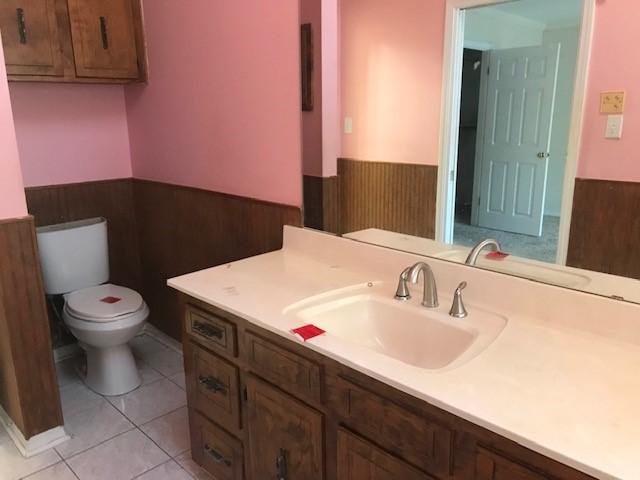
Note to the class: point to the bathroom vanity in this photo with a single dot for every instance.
(536, 391)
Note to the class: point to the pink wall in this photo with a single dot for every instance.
(612, 69)
(391, 70)
(222, 108)
(71, 133)
(12, 201)
(311, 12)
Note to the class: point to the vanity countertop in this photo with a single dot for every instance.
(561, 379)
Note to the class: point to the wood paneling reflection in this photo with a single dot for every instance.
(182, 229)
(392, 196)
(28, 386)
(605, 227)
(321, 203)
(111, 199)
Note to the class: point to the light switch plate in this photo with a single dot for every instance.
(614, 127)
(348, 125)
(612, 102)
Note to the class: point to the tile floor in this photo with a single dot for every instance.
(143, 434)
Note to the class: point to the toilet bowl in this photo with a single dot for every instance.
(102, 316)
(104, 319)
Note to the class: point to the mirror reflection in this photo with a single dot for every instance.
(486, 144)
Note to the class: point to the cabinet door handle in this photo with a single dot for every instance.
(103, 33)
(208, 330)
(216, 456)
(213, 384)
(281, 464)
(22, 25)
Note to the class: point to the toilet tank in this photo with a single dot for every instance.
(74, 255)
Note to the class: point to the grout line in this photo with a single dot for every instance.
(70, 469)
(98, 444)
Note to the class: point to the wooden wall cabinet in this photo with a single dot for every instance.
(75, 41)
(277, 410)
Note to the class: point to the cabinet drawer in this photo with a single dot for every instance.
(215, 450)
(212, 331)
(412, 437)
(360, 460)
(289, 371)
(491, 466)
(214, 388)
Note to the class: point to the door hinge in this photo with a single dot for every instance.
(245, 395)
(488, 71)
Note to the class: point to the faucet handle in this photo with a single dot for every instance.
(457, 308)
(402, 292)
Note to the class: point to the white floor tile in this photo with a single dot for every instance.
(166, 362)
(192, 467)
(122, 458)
(92, 425)
(66, 371)
(59, 471)
(14, 466)
(150, 401)
(147, 373)
(167, 471)
(170, 432)
(77, 396)
(143, 346)
(179, 379)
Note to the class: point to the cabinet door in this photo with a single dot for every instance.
(104, 38)
(360, 460)
(285, 436)
(30, 37)
(491, 466)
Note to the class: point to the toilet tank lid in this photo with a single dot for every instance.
(70, 225)
(104, 302)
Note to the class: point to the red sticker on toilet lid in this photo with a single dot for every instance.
(110, 299)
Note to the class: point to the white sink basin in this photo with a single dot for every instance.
(367, 317)
(539, 271)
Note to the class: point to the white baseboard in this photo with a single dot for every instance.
(163, 338)
(36, 444)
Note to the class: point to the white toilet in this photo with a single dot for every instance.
(103, 317)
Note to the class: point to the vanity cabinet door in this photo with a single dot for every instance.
(30, 37)
(284, 435)
(360, 460)
(104, 38)
(490, 466)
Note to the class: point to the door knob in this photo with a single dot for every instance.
(543, 155)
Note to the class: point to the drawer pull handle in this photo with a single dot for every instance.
(208, 330)
(103, 33)
(217, 457)
(22, 25)
(281, 464)
(213, 384)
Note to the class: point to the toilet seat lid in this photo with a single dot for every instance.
(104, 303)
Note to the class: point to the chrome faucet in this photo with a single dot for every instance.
(412, 274)
(475, 251)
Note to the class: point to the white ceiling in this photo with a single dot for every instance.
(547, 12)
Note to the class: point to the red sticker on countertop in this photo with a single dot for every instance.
(110, 300)
(497, 255)
(307, 332)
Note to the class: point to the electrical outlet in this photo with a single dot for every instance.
(614, 127)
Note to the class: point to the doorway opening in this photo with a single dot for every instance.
(510, 154)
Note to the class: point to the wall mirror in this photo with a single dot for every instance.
(438, 125)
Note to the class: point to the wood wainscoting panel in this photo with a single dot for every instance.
(605, 227)
(321, 203)
(111, 199)
(28, 385)
(399, 197)
(183, 229)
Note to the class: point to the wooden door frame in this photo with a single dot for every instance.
(450, 118)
